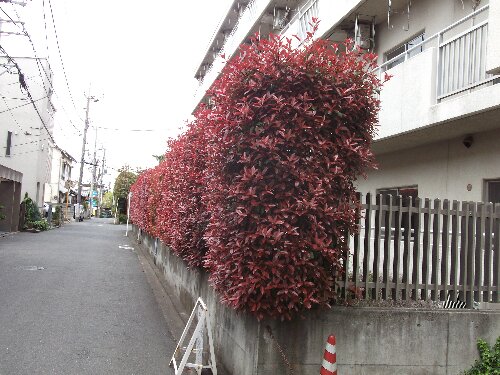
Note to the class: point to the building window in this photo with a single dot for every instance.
(9, 143)
(401, 49)
(405, 192)
(492, 191)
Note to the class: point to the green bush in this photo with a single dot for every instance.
(122, 219)
(489, 359)
(57, 216)
(40, 225)
(32, 211)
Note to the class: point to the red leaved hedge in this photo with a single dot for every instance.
(295, 127)
(181, 213)
(270, 167)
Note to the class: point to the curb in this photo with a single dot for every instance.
(165, 297)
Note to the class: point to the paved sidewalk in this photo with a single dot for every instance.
(75, 300)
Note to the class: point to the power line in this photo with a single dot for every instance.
(28, 143)
(5, 97)
(24, 86)
(13, 117)
(46, 32)
(39, 64)
(59, 50)
(25, 78)
(23, 105)
(22, 153)
(130, 130)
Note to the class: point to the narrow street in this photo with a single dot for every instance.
(75, 300)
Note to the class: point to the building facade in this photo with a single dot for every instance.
(58, 190)
(439, 124)
(26, 123)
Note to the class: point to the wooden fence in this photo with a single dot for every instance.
(424, 250)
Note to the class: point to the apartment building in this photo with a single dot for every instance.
(25, 132)
(439, 124)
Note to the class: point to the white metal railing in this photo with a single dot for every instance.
(461, 59)
(300, 24)
(245, 23)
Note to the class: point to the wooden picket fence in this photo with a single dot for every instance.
(424, 250)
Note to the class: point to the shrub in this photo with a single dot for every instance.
(57, 216)
(295, 128)
(122, 218)
(32, 212)
(489, 359)
(40, 225)
(260, 188)
(181, 212)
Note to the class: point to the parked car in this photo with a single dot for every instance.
(106, 213)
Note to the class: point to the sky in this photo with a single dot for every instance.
(137, 59)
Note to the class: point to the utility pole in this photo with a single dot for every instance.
(99, 202)
(82, 161)
(94, 166)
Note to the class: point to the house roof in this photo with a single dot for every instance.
(65, 153)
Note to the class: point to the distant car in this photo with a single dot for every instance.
(106, 213)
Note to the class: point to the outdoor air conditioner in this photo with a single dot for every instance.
(364, 36)
(363, 33)
(280, 18)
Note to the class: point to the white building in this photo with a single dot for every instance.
(26, 132)
(58, 190)
(439, 131)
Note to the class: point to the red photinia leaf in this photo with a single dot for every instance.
(260, 188)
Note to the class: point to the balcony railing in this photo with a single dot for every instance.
(245, 23)
(461, 61)
(300, 24)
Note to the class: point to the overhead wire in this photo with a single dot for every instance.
(39, 64)
(40, 67)
(130, 130)
(10, 112)
(23, 105)
(24, 86)
(28, 143)
(59, 50)
(21, 153)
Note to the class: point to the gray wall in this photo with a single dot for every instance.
(369, 340)
(440, 169)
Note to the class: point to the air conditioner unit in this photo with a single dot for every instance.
(364, 36)
(362, 33)
(280, 18)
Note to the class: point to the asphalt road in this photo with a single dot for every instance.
(72, 301)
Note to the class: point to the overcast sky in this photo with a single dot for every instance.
(139, 59)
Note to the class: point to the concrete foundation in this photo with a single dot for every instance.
(369, 340)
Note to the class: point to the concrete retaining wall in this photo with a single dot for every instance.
(369, 340)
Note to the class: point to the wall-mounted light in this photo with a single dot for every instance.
(468, 141)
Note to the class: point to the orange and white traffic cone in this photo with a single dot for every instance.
(329, 365)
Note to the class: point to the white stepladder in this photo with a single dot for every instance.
(196, 339)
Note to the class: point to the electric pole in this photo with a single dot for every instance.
(99, 203)
(82, 161)
(94, 165)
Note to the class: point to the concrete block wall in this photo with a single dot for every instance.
(369, 340)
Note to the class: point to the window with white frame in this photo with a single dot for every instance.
(403, 48)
